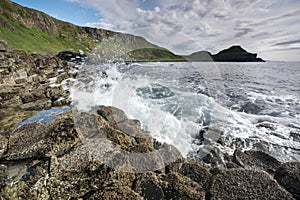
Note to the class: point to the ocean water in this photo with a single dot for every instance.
(239, 105)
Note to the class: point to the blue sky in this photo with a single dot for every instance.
(268, 27)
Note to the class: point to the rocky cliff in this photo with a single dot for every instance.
(236, 54)
(232, 54)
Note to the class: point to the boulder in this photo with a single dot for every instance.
(168, 186)
(245, 184)
(288, 175)
(256, 160)
(177, 186)
(71, 56)
(195, 171)
(149, 186)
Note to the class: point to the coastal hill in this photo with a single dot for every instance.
(232, 54)
(236, 54)
(33, 31)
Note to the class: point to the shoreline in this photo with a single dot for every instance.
(58, 160)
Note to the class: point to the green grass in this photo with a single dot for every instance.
(154, 54)
(33, 39)
(35, 32)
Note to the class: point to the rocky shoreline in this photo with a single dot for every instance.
(105, 155)
(30, 83)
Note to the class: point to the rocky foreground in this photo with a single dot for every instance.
(105, 155)
(30, 83)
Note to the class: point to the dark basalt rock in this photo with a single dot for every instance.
(236, 54)
(288, 175)
(180, 187)
(195, 171)
(27, 85)
(71, 56)
(90, 156)
(245, 184)
(256, 160)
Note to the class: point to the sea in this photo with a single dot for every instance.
(245, 106)
(202, 106)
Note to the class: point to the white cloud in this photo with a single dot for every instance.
(213, 24)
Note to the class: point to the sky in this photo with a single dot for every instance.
(267, 27)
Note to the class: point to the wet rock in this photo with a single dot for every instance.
(168, 186)
(95, 156)
(71, 56)
(213, 157)
(35, 141)
(119, 193)
(148, 185)
(295, 135)
(26, 77)
(256, 160)
(251, 108)
(41, 104)
(245, 184)
(11, 117)
(177, 186)
(112, 114)
(288, 175)
(266, 125)
(195, 171)
(132, 143)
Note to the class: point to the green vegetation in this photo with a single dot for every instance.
(157, 54)
(35, 32)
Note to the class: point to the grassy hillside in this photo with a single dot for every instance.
(33, 31)
(149, 54)
(200, 56)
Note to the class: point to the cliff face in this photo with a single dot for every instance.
(236, 54)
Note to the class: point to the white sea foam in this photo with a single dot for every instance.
(176, 119)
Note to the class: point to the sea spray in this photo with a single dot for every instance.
(175, 101)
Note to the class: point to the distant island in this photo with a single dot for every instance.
(232, 54)
(36, 32)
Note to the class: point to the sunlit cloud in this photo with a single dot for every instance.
(259, 25)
